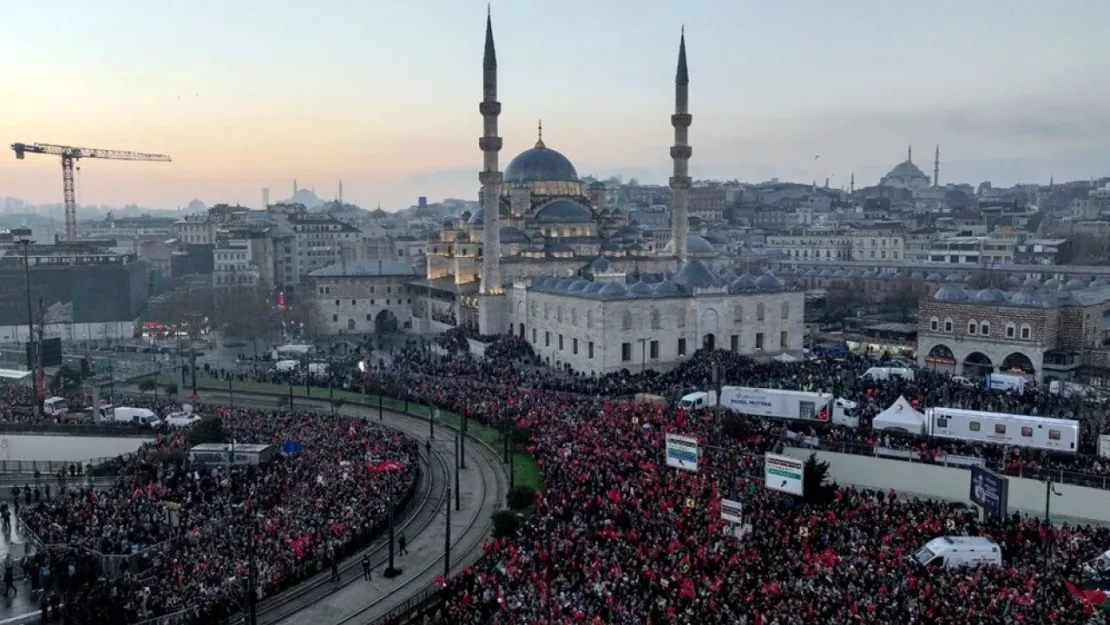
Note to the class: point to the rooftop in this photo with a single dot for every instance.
(364, 269)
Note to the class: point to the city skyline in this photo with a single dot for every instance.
(384, 97)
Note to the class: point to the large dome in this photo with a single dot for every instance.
(540, 164)
(695, 244)
(563, 211)
(905, 172)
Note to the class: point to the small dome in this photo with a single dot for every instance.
(744, 283)
(990, 296)
(563, 211)
(1053, 283)
(613, 289)
(1062, 297)
(1076, 285)
(729, 277)
(855, 274)
(870, 274)
(934, 277)
(1013, 281)
(667, 288)
(510, 234)
(812, 273)
(950, 294)
(1026, 298)
(540, 164)
(564, 284)
(842, 274)
(479, 216)
(578, 285)
(601, 265)
(627, 233)
(954, 277)
(889, 275)
(597, 185)
(827, 273)
(694, 245)
(768, 283)
(550, 282)
(594, 287)
(641, 289)
(695, 274)
(1097, 284)
(917, 275)
(1031, 283)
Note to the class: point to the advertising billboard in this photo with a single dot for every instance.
(990, 491)
(682, 452)
(732, 511)
(783, 473)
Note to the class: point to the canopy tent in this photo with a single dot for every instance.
(785, 357)
(900, 416)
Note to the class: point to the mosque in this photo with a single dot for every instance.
(546, 260)
(907, 175)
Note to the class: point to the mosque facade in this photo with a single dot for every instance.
(588, 289)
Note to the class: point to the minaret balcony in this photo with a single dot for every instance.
(680, 182)
(490, 178)
(681, 151)
(488, 109)
(489, 144)
(682, 120)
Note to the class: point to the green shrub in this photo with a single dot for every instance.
(521, 497)
(505, 523)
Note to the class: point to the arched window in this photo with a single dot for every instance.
(1011, 331)
(626, 321)
(972, 326)
(786, 310)
(559, 314)
(1026, 331)
(948, 324)
(680, 318)
(760, 313)
(351, 325)
(738, 314)
(934, 324)
(573, 316)
(985, 328)
(655, 319)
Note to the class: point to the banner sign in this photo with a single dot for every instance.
(732, 511)
(682, 452)
(783, 473)
(1104, 445)
(990, 491)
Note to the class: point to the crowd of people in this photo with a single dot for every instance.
(173, 536)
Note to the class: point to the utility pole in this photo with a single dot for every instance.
(32, 346)
(462, 443)
(252, 581)
(458, 460)
(447, 541)
(230, 394)
(431, 422)
(381, 413)
(1049, 491)
(717, 390)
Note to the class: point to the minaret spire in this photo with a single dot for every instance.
(909, 154)
(539, 135)
(489, 319)
(680, 154)
(936, 168)
(852, 183)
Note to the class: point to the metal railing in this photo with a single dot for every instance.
(48, 469)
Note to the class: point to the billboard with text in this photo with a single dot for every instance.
(682, 452)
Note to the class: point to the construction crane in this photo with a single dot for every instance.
(70, 154)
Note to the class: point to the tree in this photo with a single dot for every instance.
(245, 313)
(839, 300)
(521, 497)
(188, 309)
(982, 279)
(302, 318)
(148, 384)
(904, 298)
(815, 486)
(65, 378)
(505, 523)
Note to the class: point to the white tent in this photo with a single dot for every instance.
(900, 416)
(785, 357)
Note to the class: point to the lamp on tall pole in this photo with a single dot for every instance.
(31, 345)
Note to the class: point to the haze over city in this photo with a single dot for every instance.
(383, 95)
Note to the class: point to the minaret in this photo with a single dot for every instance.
(340, 198)
(852, 183)
(680, 154)
(936, 168)
(489, 321)
(294, 186)
(909, 154)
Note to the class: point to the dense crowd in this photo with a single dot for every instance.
(170, 535)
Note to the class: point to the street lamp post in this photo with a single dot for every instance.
(458, 462)
(1049, 491)
(462, 441)
(31, 345)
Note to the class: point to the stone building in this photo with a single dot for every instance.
(1055, 331)
(364, 296)
(606, 320)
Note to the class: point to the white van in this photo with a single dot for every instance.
(55, 406)
(285, 366)
(1006, 382)
(885, 373)
(698, 400)
(956, 551)
(181, 420)
(124, 414)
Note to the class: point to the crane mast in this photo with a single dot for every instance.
(69, 155)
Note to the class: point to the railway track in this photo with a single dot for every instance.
(427, 509)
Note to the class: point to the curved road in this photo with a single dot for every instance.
(354, 601)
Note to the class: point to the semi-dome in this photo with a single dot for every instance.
(564, 284)
(990, 296)
(550, 282)
(695, 244)
(950, 294)
(510, 234)
(767, 282)
(954, 277)
(667, 287)
(1075, 284)
(933, 277)
(613, 289)
(540, 164)
(812, 273)
(595, 287)
(641, 288)
(855, 274)
(1031, 283)
(578, 285)
(479, 216)
(827, 273)
(695, 274)
(842, 274)
(563, 211)
(870, 274)
(1026, 298)
(627, 233)
(601, 265)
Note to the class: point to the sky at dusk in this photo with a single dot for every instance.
(384, 94)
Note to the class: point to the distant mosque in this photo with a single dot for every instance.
(907, 175)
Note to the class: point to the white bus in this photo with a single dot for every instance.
(1004, 429)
